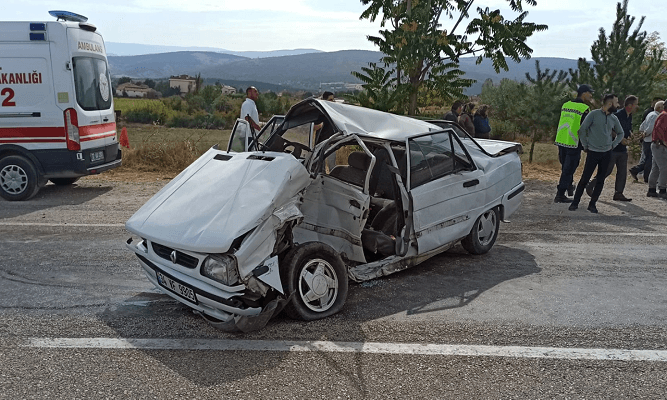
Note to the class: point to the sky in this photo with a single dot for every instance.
(327, 25)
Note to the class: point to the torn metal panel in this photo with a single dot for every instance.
(390, 265)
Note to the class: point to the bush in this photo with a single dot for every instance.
(146, 111)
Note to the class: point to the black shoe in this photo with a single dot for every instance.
(562, 199)
(620, 197)
(652, 193)
(634, 175)
(589, 188)
(592, 208)
(662, 195)
(570, 191)
(573, 207)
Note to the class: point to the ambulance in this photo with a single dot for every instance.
(57, 120)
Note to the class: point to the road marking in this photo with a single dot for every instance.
(65, 224)
(350, 347)
(582, 234)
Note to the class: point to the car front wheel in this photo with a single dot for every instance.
(483, 234)
(317, 276)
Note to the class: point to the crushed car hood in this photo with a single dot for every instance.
(218, 198)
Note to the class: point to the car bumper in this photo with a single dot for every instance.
(208, 300)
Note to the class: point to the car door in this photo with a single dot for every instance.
(335, 209)
(447, 189)
(241, 137)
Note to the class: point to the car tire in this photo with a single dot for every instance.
(317, 276)
(63, 181)
(18, 178)
(483, 234)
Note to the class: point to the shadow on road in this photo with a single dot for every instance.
(446, 282)
(52, 196)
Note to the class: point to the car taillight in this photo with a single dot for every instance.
(72, 129)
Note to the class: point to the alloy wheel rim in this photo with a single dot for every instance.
(318, 285)
(13, 179)
(486, 228)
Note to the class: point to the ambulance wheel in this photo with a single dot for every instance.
(63, 181)
(317, 276)
(483, 234)
(18, 178)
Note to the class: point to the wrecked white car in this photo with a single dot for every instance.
(241, 234)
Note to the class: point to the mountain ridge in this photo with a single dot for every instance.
(308, 71)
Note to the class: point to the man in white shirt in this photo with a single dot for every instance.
(647, 129)
(249, 109)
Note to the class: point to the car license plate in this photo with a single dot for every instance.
(96, 156)
(180, 289)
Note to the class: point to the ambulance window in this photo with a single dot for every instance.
(91, 81)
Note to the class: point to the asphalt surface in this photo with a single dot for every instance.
(555, 279)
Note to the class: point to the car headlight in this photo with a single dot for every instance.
(221, 268)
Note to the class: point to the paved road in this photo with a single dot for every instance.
(566, 305)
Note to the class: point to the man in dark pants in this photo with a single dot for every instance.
(595, 137)
(567, 139)
(619, 155)
(646, 127)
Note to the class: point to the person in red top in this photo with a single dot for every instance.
(658, 176)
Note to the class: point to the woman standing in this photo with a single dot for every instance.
(465, 120)
(481, 122)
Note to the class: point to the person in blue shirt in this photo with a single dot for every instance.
(481, 122)
(619, 155)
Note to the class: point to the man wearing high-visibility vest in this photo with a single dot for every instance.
(567, 140)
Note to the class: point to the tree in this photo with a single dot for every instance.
(379, 89)
(124, 79)
(546, 93)
(623, 62)
(150, 83)
(419, 51)
(529, 109)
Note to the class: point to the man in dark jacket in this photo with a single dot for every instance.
(455, 112)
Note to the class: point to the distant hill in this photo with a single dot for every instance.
(302, 71)
(134, 49)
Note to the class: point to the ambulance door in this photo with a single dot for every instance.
(92, 90)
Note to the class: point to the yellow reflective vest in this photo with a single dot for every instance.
(570, 121)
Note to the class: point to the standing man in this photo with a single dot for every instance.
(646, 130)
(619, 155)
(455, 112)
(646, 127)
(567, 139)
(659, 149)
(596, 140)
(249, 109)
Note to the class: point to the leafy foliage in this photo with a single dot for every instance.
(419, 51)
(529, 109)
(624, 62)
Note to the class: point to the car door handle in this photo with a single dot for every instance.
(471, 183)
(105, 119)
(355, 204)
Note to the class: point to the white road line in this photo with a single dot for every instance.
(51, 224)
(350, 347)
(582, 234)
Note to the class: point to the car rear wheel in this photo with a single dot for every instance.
(483, 234)
(18, 178)
(317, 276)
(63, 181)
